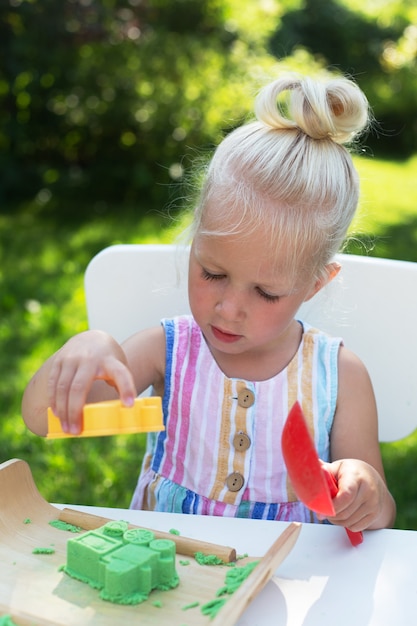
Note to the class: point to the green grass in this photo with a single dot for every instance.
(389, 193)
(386, 223)
(42, 305)
(42, 264)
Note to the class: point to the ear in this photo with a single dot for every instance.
(330, 271)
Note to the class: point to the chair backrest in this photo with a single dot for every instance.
(372, 304)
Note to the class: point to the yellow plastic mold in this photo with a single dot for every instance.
(113, 418)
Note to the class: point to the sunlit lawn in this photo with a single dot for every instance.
(388, 208)
(42, 303)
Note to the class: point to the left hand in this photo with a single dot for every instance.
(361, 494)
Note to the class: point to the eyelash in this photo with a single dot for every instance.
(266, 296)
(208, 276)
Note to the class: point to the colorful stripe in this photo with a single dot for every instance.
(186, 467)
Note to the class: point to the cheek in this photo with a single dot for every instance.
(266, 319)
(272, 319)
(199, 295)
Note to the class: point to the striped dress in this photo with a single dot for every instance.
(220, 453)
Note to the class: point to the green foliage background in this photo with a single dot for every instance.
(105, 102)
(104, 107)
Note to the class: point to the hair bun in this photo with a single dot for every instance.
(334, 108)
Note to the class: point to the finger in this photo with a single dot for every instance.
(59, 383)
(360, 521)
(76, 398)
(54, 375)
(115, 373)
(356, 517)
(71, 388)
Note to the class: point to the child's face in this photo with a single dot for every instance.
(241, 302)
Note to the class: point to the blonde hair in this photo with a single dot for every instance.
(290, 170)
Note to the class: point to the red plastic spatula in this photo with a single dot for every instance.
(314, 485)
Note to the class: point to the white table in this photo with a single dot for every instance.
(324, 581)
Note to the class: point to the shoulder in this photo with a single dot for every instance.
(352, 371)
(145, 352)
(154, 334)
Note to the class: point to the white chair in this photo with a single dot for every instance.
(372, 304)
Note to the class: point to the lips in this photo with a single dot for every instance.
(224, 336)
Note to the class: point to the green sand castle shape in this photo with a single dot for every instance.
(124, 564)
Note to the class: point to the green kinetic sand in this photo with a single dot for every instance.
(6, 620)
(43, 551)
(124, 564)
(60, 525)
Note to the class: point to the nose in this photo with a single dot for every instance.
(230, 304)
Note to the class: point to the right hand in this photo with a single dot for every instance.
(88, 357)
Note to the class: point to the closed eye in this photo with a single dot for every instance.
(267, 296)
(206, 275)
(210, 276)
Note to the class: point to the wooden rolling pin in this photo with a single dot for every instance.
(184, 545)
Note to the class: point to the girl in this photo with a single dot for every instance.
(279, 196)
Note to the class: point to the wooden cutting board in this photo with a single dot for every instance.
(35, 592)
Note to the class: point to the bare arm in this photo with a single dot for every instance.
(363, 500)
(90, 367)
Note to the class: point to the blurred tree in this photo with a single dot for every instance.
(345, 38)
(378, 50)
(81, 110)
(99, 100)
(102, 102)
